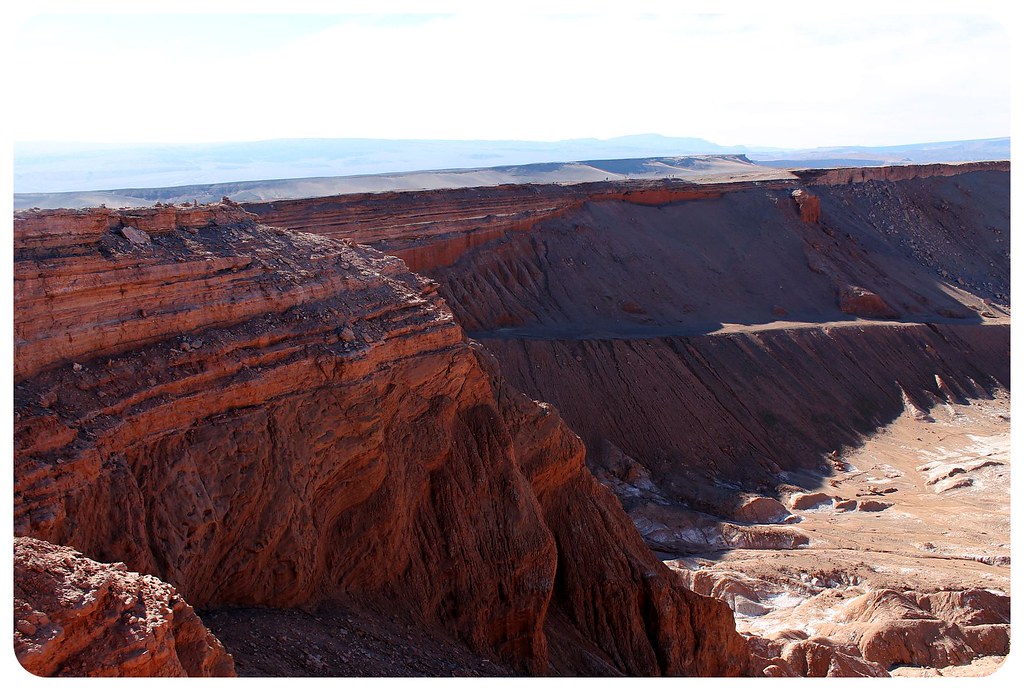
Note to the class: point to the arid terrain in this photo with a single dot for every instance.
(51, 176)
(921, 508)
(724, 425)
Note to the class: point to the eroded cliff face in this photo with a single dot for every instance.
(849, 176)
(433, 229)
(722, 349)
(718, 415)
(739, 336)
(269, 418)
(611, 605)
(77, 617)
(261, 417)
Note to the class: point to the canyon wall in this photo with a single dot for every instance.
(263, 417)
(710, 417)
(267, 417)
(432, 229)
(929, 249)
(723, 334)
(848, 176)
(738, 340)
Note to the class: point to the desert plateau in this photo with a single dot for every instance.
(729, 421)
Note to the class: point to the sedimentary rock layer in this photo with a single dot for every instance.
(77, 617)
(260, 417)
(722, 347)
(847, 176)
(434, 228)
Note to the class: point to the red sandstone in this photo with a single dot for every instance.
(267, 418)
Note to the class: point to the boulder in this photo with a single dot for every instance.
(861, 302)
(760, 510)
(77, 617)
(802, 501)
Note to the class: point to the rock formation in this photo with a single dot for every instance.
(808, 205)
(262, 417)
(76, 617)
(267, 417)
(861, 302)
(716, 346)
(850, 176)
(934, 630)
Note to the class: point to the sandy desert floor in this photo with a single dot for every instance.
(933, 494)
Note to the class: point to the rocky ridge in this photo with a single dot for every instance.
(77, 617)
(849, 176)
(432, 229)
(262, 417)
(751, 336)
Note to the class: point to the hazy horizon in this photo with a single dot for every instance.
(738, 145)
(325, 166)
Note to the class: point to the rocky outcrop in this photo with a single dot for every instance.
(260, 417)
(802, 501)
(432, 229)
(757, 509)
(933, 630)
(850, 176)
(79, 269)
(793, 654)
(77, 617)
(861, 302)
(808, 205)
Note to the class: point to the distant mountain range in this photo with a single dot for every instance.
(695, 168)
(933, 152)
(63, 167)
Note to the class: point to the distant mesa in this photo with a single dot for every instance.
(296, 168)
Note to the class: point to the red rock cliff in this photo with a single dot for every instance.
(847, 176)
(432, 229)
(263, 417)
(77, 617)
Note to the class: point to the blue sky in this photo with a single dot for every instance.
(797, 77)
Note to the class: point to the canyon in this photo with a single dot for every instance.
(264, 418)
(593, 429)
